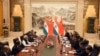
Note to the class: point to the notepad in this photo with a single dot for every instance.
(32, 50)
(72, 52)
(27, 45)
(25, 50)
(68, 45)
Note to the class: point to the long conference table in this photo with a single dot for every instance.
(41, 50)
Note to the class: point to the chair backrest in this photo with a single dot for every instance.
(21, 38)
(6, 43)
(15, 39)
(81, 39)
(86, 42)
(1, 46)
(96, 48)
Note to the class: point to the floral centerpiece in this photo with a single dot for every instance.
(49, 44)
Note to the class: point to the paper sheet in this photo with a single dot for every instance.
(25, 50)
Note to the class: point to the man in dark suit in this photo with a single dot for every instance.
(75, 42)
(17, 47)
(30, 37)
(81, 51)
(67, 35)
(4, 50)
(90, 51)
(35, 34)
(1, 49)
(96, 49)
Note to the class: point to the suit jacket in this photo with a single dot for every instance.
(30, 38)
(94, 53)
(16, 49)
(75, 44)
(1, 53)
(81, 52)
(5, 54)
(67, 35)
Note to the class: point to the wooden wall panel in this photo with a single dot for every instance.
(1, 17)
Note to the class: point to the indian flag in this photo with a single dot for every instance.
(55, 29)
(45, 28)
(55, 26)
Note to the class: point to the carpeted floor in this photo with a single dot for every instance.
(49, 51)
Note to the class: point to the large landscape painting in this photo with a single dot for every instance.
(41, 10)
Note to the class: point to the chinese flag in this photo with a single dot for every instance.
(50, 27)
(61, 27)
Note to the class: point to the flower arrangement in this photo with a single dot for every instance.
(49, 44)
